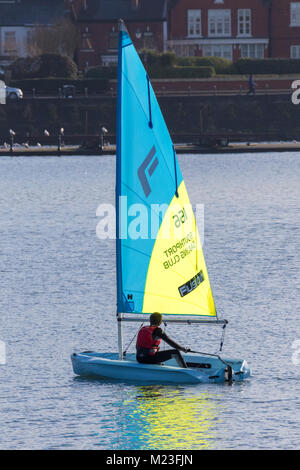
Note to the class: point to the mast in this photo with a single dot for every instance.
(122, 28)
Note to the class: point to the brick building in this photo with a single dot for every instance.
(224, 28)
(235, 28)
(97, 21)
(285, 28)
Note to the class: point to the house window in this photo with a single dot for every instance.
(10, 43)
(86, 44)
(244, 22)
(295, 52)
(219, 22)
(194, 22)
(184, 50)
(149, 40)
(218, 50)
(295, 14)
(253, 51)
(113, 40)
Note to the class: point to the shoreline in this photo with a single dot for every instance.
(246, 147)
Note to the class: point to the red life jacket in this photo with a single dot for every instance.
(145, 340)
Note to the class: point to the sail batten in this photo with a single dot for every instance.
(160, 263)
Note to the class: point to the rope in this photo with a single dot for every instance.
(165, 325)
(175, 171)
(222, 337)
(194, 352)
(125, 352)
(213, 355)
(149, 104)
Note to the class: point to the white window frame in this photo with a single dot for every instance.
(218, 50)
(13, 40)
(295, 14)
(194, 26)
(244, 20)
(184, 50)
(258, 49)
(295, 51)
(219, 23)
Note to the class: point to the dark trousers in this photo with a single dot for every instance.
(161, 356)
(251, 90)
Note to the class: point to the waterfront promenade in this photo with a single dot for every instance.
(185, 148)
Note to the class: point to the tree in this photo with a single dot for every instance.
(61, 38)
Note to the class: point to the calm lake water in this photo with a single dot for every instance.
(57, 293)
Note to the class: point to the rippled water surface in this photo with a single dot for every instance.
(57, 293)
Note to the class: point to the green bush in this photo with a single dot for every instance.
(168, 59)
(156, 70)
(154, 58)
(268, 66)
(221, 66)
(44, 66)
(102, 72)
(150, 57)
(181, 72)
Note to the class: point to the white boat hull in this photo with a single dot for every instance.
(201, 369)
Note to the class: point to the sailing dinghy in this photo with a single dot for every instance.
(164, 270)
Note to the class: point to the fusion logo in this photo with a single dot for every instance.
(191, 285)
(2, 92)
(147, 169)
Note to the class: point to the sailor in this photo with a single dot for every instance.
(148, 342)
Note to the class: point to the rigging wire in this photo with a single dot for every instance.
(126, 349)
(149, 103)
(175, 171)
(222, 337)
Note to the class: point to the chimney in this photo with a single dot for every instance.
(135, 4)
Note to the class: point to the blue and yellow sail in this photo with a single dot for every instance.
(160, 262)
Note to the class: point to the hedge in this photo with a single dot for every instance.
(221, 66)
(52, 85)
(156, 71)
(102, 72)
(181, 72)
(268, 66)
(154, 58)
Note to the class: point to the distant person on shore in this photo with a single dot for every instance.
(252, 85)
(148, 341)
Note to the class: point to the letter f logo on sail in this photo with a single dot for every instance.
(149, 163)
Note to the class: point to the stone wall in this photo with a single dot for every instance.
(184, 115)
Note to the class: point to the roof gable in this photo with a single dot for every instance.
(30, 12)
(112, 10)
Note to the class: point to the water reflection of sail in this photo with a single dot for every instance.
(170, 418)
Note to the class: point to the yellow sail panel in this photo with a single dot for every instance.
(177, 280)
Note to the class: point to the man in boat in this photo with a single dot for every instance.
(148, 341)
